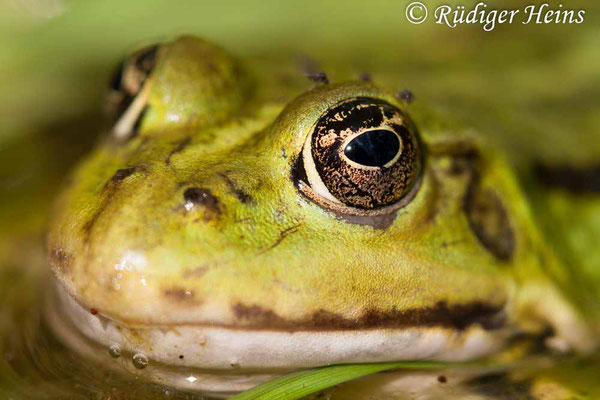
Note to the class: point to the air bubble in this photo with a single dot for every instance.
(140, 361)
(114, 351)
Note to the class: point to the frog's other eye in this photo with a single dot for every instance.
(129, 94)
(363, 154)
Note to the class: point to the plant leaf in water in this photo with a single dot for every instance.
(300, 384)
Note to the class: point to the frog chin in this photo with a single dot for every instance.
(260, 353)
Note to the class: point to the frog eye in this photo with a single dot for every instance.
(362, 153)
(129, 94)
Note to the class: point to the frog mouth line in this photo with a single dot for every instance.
(458, 317)
(228, 349)
(222, 383)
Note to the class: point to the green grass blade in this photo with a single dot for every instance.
(300, 384)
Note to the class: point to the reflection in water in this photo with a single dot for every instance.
(36, 365)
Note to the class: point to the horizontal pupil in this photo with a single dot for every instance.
(373, 148)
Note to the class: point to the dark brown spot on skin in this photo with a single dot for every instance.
(243, 196)
(459, 316)
(488, 219)
(122, 174)
(202, 197)
(93, 311)
(179, 295)
(181, 356)
(240, 194)
(257, 314)
(179, 147)
(442, 379)
(318, 77)
(574, 179)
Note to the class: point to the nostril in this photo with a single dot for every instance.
(200, 196)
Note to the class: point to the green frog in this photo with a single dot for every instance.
(235, 226)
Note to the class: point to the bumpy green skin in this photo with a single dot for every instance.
(257, 253)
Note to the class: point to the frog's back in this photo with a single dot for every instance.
(566, 202)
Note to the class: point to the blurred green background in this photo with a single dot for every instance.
(57, 54)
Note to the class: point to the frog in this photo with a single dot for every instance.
(231, 228)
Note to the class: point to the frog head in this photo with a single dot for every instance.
(231, 222)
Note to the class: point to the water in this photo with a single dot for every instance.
(114, 351)
(140, 361)
(34, 364)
